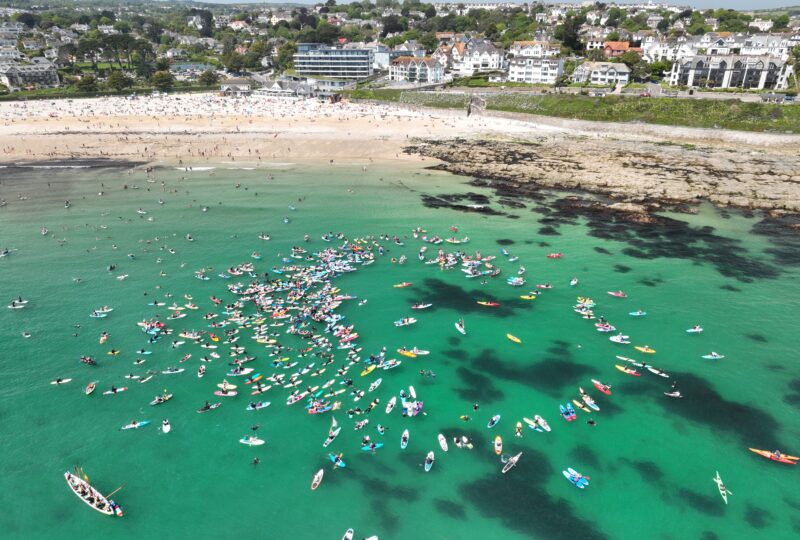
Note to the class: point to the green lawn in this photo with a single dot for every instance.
(727, 114)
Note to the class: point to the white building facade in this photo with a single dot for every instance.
(535, 70)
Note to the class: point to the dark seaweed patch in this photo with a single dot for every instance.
(444, 295)
(511, 203)
(521, 502)
(648, 470)
(703, 404)
(659, 236)
(622, 269)
(450, 508)
(453, 340)
(380, 506)
(551, 375)
(709, 535)
(782, 234)
(702, 503)
(602, 250)
(455, 202)
(584, 455)
(549, 231)
(730, 288)
(480, 388)
(458, 354)
(756, 517)
(651, 282)
(756, 337)
(793, 397)
(505, 241)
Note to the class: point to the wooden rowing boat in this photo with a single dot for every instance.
(91, 496)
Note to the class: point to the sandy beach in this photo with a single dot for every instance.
(636, 164)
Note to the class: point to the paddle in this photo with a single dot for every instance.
(119, 488)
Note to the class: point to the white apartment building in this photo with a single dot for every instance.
(535, 70)
(732, 71)
(536, 49)
(425, 70)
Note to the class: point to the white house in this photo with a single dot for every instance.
(236, 86)
(653, 20)
(602, 73)
(536, 49)
(535, 70)
(425, 70)
(761, 24)
(475, 56)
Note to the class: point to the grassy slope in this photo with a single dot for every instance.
(727, 114)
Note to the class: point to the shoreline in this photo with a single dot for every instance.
(642, 168)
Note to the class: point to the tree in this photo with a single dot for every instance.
(392, 24)
(569, 33)
(613, 36)
(233, 61)
(430, 13)
(87, 83)
(28, 19)
(630, 58)
(162, 64)
(795, 59)
(660, 68)
(89, 46)
(208, 78)
(596, 55)
(162, 80)
(781, 22)
(285, 58)
(119, 81)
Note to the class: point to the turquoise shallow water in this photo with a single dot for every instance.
(650, 459)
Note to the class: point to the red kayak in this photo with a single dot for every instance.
(554, 255)
(604, 388)
(780, 458)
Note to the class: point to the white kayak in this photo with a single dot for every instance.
(166, 427)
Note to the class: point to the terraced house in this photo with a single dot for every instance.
(732, 71)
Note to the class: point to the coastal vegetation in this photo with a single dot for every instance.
(699, 113)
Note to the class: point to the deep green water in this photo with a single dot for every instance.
(651, 459)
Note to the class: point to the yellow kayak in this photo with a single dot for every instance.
(645, 349)
(528, 297)
(407, 353)
(515, 339)
(369, 370)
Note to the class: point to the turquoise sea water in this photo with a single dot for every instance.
(650, 458)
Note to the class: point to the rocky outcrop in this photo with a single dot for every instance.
(637, 177)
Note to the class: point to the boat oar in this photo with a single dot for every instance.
(119, 488)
